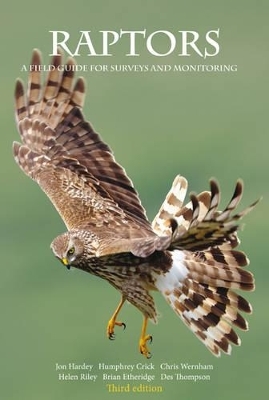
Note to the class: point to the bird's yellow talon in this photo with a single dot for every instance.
(110, 328)
(144, 338)
(112, 322)
(143, 345)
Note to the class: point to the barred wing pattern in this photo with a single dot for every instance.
(199, 224)
(206, 268)
(70, 162)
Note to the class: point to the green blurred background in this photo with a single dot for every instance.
(159, 124)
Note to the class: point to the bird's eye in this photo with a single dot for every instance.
(71, 251)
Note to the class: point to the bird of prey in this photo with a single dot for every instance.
(188, 253)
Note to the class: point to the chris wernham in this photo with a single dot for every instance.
(91, 372)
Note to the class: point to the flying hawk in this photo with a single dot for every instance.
(188, 253)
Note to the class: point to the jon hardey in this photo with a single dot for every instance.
(75, 372)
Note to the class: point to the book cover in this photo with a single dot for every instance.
(173, 88)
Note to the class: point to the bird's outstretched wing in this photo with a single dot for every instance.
(206, 226)
(70, 162)
(208, 270)
(199, 225)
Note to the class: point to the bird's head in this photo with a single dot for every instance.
(72, 248)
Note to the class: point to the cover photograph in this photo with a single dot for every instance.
(134, 218)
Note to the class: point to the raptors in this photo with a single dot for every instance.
(188, 253)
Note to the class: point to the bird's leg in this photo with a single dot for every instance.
(144, 338)
(112, 322)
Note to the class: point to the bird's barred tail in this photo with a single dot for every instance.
(201, 291)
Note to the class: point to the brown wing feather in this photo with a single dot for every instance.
(68, 159)
(51, 102)
(81, 201)
(215, 228)
(82, 143)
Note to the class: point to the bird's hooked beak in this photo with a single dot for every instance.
(65, 262)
